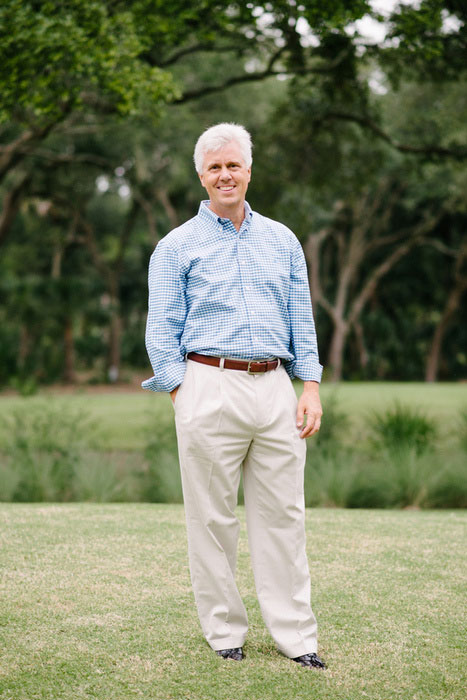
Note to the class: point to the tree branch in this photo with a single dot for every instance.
(383, 268)
(59, 158)
(259, 75)
(312, 248)
(195, 48)
(11, 204)
(15, 152)
(434, 150)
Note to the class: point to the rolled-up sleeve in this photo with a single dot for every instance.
(166, 318)
(304, 345)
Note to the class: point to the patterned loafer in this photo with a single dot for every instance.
(310, 661)
(235, 654)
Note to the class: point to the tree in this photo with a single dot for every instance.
(451, 307)
(120, 78)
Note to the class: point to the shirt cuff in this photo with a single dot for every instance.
(173, 376)
(308, 370)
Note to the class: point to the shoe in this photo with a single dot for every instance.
(235, 654)
(310, 661)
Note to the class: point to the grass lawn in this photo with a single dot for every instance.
(96, 602)
(121, 420)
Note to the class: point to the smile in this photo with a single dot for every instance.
(227, 188)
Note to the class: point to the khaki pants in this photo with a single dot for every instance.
(227, 419)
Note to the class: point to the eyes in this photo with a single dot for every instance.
(231, 166)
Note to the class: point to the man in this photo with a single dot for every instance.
(229, 324)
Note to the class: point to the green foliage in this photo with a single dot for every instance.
(329, 476)
(462, 428)
(319, 147)
(448, 487)
(25, 385)
(426, 48)
(401, 428)
(44, 444)
(334, 427)
(48, 454)
(160, 478)
(57, 58)
(105, 478)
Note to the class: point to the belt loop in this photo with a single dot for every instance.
(221, 363)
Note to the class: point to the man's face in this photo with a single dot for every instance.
(225, 178)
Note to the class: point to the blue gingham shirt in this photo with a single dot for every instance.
(239, 294)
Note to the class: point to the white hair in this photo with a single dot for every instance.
(218, 136)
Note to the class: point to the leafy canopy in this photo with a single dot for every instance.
(56, 57)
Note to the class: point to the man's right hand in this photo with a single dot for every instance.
(173, 393)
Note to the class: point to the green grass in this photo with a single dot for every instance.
(121, 419)
(96, 602)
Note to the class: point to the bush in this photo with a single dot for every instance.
(462, 428)
(46, 457)
(334, 425)
(43, 446)
(329, 475)
(9, 479)
(370, 489)
(106, 478)
(401, 428)
(160, 478)
(448, 488)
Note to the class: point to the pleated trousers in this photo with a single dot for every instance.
(228, 421)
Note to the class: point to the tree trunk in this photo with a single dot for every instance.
(24, 346)
(336, 350)
(114, 341)
(69, 352)
(11, 205)
(434, 354)
(361, 347)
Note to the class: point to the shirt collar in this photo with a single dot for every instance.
(204, 211)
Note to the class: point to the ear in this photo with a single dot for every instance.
(200, 175)
(249, 174)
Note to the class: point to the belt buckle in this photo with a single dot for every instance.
(256, 362)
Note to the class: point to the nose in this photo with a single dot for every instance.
(225, 173)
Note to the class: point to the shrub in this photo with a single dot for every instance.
(401, 428)
(462, 428)
(43, 446)
(9, 479)
(160, 478)
(369, 489)
(328, 476)
(393, 478)
(105, 478)
(448, 488)
(334, 425)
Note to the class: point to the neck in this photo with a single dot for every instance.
(236, 215)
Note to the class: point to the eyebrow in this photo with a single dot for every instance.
(230, 162)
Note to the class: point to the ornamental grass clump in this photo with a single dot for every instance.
(462, 428)
(330, 464)
(159, 479)
(43, 444)
(403, 428)
(404, 456)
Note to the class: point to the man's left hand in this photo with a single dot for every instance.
(309, 405)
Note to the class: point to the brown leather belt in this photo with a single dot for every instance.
(250, 366)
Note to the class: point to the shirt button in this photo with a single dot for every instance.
(248, 287)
